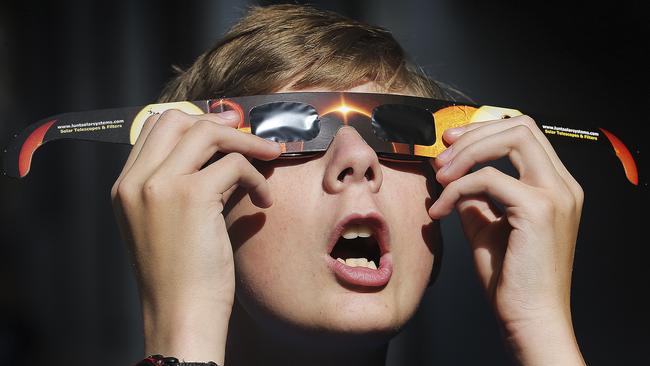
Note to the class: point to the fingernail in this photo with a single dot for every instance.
(276, 145)
(457, 131)
(229, 115)
(445, 154)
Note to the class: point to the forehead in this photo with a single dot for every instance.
(368, 87)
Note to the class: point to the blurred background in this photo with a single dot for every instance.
(67, 291)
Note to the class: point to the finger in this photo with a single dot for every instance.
(451, 135)
(518, 143)
(206, 138)
(490, 127)
(482, 221)
(144, 132)
(135, 150)
(476, 212)
(489, 250)
(502, 187)
(463, 135)
(234, 168)
(168, 130)
(474, 130)
(229, 118)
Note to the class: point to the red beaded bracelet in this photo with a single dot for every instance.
(160, 360)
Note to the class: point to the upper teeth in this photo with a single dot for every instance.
(354, 231)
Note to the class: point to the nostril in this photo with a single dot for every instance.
(345, 172)
(369, 174)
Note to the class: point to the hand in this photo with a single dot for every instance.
(523, 255)
(168, 203)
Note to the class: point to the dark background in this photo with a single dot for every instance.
(66, 288)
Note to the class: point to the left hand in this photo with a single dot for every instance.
(523, 255)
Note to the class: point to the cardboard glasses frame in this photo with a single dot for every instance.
(398, 127)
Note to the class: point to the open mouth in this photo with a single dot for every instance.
(357, 248)
(359, 251)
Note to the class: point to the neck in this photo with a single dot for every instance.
(248, 344)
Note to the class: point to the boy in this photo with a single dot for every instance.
(235, 250)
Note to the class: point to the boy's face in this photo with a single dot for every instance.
(285, 273)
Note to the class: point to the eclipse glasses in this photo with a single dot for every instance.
(398, 127)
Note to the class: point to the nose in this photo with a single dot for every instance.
(351, 161)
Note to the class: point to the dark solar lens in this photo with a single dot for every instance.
(285, 121)
(402, 158)
(404, 123)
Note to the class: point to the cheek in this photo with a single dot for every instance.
(272, 256)
(416, 237)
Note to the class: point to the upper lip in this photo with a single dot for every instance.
(373, 219)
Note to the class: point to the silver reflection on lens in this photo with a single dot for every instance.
(285, 121)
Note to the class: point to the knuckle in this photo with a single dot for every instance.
(453, 186)
(154, 188)
(573, 199)
(239, 162)
(172, 114)
(580, 193)
(204, 124)
(567, 202)
(123, 191)
(173, 119)
(114, 189)
(527, 120)
(489, 172)
(217, 133)
(151, 119)
(208, 128)
(522, 132)
(237, 158)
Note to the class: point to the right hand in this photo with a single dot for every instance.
(168, 204)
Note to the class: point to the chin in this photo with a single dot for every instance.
(351, 320)
(368, 325)
(358, 313)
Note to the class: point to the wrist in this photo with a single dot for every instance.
(544, 340)
(193, 332)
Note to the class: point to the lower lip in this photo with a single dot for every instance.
(362, 276)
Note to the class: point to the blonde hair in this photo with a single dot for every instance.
(299, 47)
